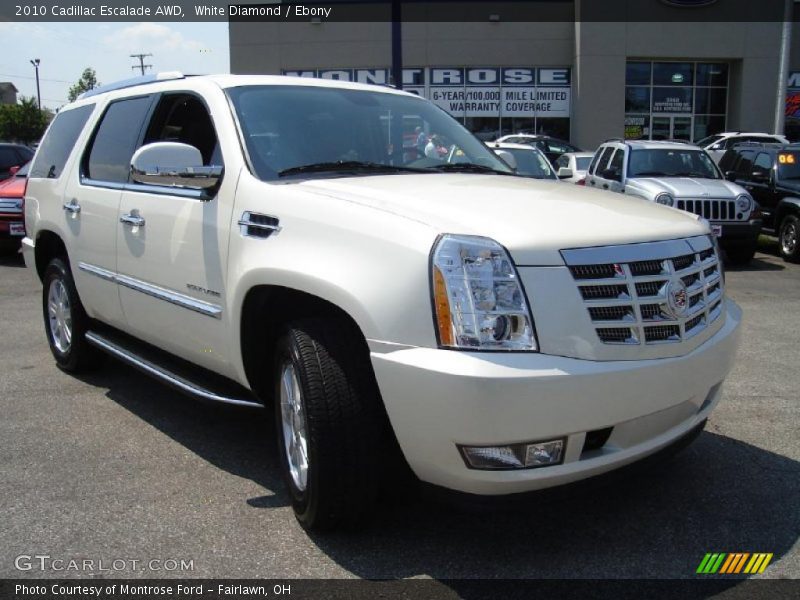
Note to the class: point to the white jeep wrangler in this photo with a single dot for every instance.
(280, 242)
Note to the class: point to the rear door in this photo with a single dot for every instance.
(763, 191)
(596, 179)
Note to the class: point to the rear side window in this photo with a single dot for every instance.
(763, 161)
(595, 158)
(59, 141)
(115, 140)
(616, 162)
(8, 158)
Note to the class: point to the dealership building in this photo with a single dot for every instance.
(688, 71)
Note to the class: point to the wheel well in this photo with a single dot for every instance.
(786, 208)
(48, 247)
(265, 311)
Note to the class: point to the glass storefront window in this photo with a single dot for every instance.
(712, 74)
(705, 125)
(711, 100)
(672, 100)
(637, 73)
(484, 128)
(553, 126)
(637, 127)
(673, 73)
(637, 99)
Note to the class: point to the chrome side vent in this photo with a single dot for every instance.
(257, 225)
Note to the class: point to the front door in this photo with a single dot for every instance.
(672, 127)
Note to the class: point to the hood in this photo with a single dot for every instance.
(533, 219)
(689, 187)
(791, 184)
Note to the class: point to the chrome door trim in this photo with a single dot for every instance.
(204, 308)
(163, 374)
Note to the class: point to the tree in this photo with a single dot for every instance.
(22, 122)
(87, 82)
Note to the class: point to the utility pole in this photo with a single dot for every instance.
(783, 68)
(35, 62)
(141, 64)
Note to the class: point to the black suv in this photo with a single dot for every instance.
(771, 174)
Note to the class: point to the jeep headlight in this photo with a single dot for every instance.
(744, 202)
(665, 199)
(478, 299)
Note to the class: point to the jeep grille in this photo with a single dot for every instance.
(713, 210)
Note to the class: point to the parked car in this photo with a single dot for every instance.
(250, 240)
(12, 222)
(717, 144)
(552, 147)
(572, 166)
(12, 158)
(683, 176)
(771, 174)
(527, 160)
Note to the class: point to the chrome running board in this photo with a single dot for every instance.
(164, 375)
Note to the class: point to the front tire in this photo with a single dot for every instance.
(329, 423)
(788, 242)
(65, 321)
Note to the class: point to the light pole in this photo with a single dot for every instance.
(35, 62)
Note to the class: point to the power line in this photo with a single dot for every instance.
(141, 64)
(29, 77)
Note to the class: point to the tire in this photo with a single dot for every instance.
(65, 321)
(330, 420)
(789, 239)
(740, 255)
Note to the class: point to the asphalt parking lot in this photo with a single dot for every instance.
(115, 466)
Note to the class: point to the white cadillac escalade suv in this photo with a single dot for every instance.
(280, 242)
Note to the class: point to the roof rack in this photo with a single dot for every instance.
(759, 144)
(132, 82)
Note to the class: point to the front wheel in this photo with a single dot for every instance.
(787, 239)
(329, 423)
(65, 321)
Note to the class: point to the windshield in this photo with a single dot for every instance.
(532, 163)
(649, 162)
(707, 141)
(298, 130)
(789, 165)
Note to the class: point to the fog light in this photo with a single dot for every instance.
(514, 456)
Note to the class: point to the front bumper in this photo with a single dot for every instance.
(438, 399)
(739, 234)
(12, 228)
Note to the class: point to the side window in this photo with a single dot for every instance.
(616, 163)
(184, 118)
(595, 158)
(602, 164)
(762, 162)
(744, 167)
(8, 158)
(114, 141)
(59, 141)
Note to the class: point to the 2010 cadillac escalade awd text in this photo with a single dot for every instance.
(268, 241)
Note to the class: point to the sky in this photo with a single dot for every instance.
(66, 49)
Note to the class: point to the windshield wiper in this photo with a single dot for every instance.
(348, 165)
(468, 168)
(650, 174)
(694, 174)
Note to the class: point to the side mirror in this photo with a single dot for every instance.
(13, 170)
(730, 175)
(507, 158)
(173, 164)
(760, 176)
(564, 173)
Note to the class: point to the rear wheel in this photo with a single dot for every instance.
(788, 239)
(329, 422)
(65, 321)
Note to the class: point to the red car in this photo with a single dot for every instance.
(12, 216)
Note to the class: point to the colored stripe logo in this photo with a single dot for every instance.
(734, 563)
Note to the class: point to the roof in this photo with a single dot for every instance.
(7, 84)
(510, 146)
(655, 144)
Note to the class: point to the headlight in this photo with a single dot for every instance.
(665, 199)
(744, 202)
(478, 299)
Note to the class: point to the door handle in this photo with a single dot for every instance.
(72, 206)
(591, 182)
(132, 219)
(605, 186)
